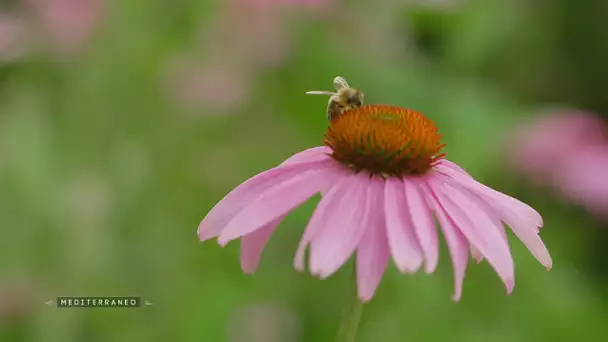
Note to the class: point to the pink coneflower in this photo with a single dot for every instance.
(13, 37)
(383, 179)
(546, 143)
(216, 87)
(568, 151)
(583, 179)
(67, 24)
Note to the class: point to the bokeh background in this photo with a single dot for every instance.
(123, 122)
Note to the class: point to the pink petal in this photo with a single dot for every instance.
(488, 193)
(342, 176)
(253, 244)
(477, 227)
(493, 216)
(311, 154)
(527, 234)
(520, 207)
(339, 221)
(424, 225)
(277, 201)
(373, 251)
(453, 166)
(402, 239)
(247, 192)
(457, 245)
(485, 207)
(522, 223)
(476, 254)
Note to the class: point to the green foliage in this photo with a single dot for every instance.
(103, 181)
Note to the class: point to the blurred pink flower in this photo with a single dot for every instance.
(246, 37)
(62, 26)
(12, 37)
(66, 24)
(569, 151)
(379, 196)
(263, 32)
(17, 299)
(211, 88)
(584, 179)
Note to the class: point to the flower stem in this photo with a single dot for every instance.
(350, 315)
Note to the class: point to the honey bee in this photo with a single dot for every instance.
(343, 99)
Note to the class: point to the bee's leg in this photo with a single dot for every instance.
(333, 110)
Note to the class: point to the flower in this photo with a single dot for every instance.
(382, 179)
(569, 151)
(245, 38)
(217, 87)
(18, 298)
(63, 26)
(66, 24)
(12, 37)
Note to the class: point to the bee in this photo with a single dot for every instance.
(343, 99)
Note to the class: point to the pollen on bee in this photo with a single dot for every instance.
(385, 140)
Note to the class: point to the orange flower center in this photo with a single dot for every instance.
(385, 140)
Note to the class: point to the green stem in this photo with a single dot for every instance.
(351, 315)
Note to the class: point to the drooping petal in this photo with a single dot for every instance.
(490, 194)
(334, 193)
(253, 244)
(373, 250)
(453, 166)
(477, 227)
(247, 192)
(311, 154)
(485, 207)
(424, 225)
(402, 240)
(527, 235)
(476, 254)
(342, 218)
(275, 202)
(457, 245)
(511, 211)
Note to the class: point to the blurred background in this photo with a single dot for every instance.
(123, 122)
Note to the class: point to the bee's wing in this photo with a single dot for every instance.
(320, 92)
(340, 82)
(330, 108)
(329, 103)
(334, 108)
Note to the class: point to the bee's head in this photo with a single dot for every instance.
(352, 97)
(356, 99)
(344, 96)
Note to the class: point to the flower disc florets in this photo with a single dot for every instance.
(385, 140)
